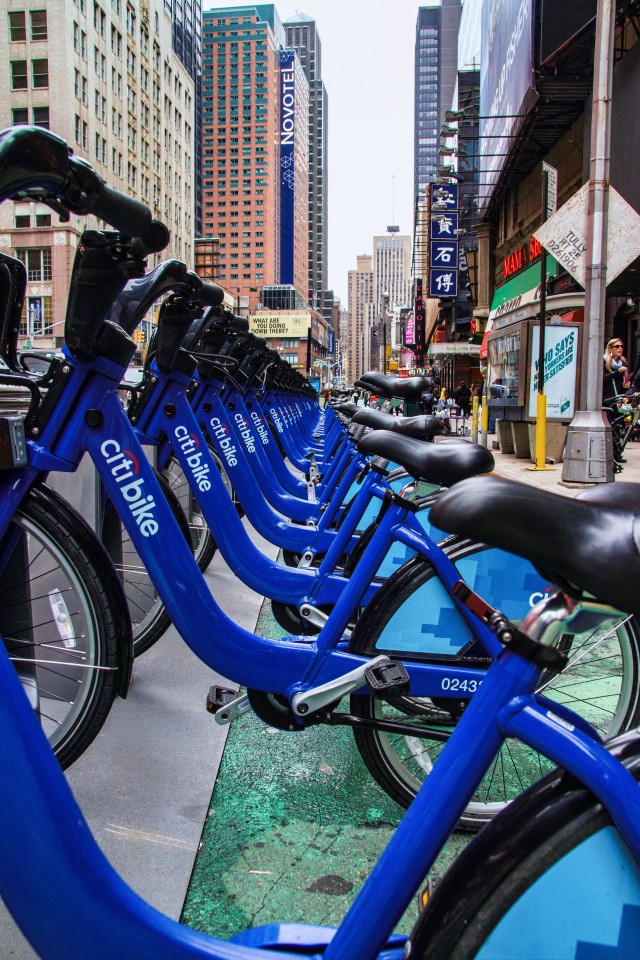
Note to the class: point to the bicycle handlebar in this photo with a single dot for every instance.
(36, 163)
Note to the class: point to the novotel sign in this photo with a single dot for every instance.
(287, 163)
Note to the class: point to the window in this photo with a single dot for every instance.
(37, 261)
(41, 119)
(17, 27)
(21, 219)
(37, 316)
(18, 74)
(38, 24)
(19, 115)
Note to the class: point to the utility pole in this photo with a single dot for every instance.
(589, 450)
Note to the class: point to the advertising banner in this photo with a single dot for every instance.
(293, 325)
(506, 81)
(560, 370)
(287, 162)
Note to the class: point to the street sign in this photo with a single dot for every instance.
(564, 235)
(552, 188)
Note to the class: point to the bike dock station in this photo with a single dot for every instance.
(284, 818)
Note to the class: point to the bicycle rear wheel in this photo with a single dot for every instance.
(68, 636)
(601, 682)
(549, 878)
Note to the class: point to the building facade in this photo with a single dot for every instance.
(240, 184)
(303, 37)
(360, 309)
(104, 76)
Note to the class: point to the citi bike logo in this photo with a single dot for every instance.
(538, 596)
(221, 433)
(245, 433)
(124, 469)
(260, 427)
(276, 419)
(189, 445)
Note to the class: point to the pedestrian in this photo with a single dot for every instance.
(615, 370)
(462, 399)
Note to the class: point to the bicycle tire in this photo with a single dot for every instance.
(401, 763)
(149, 618)
(486, 897)
(56, 573)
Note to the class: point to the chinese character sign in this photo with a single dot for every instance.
(443, 243)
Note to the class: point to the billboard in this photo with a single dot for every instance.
(560, 23)
(287, 162)
(293, 325)
(507, 90)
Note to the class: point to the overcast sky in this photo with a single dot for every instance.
(367, 68)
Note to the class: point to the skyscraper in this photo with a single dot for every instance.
(436, 58)
(360, 317)
(186, 19)
(104, 76)
(255, 150)
(302, 36)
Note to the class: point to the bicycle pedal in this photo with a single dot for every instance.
(387, 679)
(219, 697)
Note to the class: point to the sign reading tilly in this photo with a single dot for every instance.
(565, 235)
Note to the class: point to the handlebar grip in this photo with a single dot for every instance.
(211, 295)
(126, 214)
(154, 239)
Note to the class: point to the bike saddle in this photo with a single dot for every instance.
(420, 428)
(347, 408)
(443, 463)
(592, 542)
(404, 388)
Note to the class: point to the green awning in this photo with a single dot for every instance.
(521, 284)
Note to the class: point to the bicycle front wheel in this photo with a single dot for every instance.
(58, 624)
(601, 682)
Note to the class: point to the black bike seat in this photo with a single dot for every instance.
(420, 428)
(592, 541)
(443, 463)
(346, 408)
(405, 388)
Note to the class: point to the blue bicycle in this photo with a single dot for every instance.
(523, 889)
(415, 686)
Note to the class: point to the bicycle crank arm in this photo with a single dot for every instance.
(334, 690)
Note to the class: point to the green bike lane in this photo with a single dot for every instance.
(294, 827)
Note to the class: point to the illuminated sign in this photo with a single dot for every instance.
(518, 260)
(418, 322)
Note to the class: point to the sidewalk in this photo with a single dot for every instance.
(509, 466)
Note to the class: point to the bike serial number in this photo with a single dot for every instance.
(463, 686)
